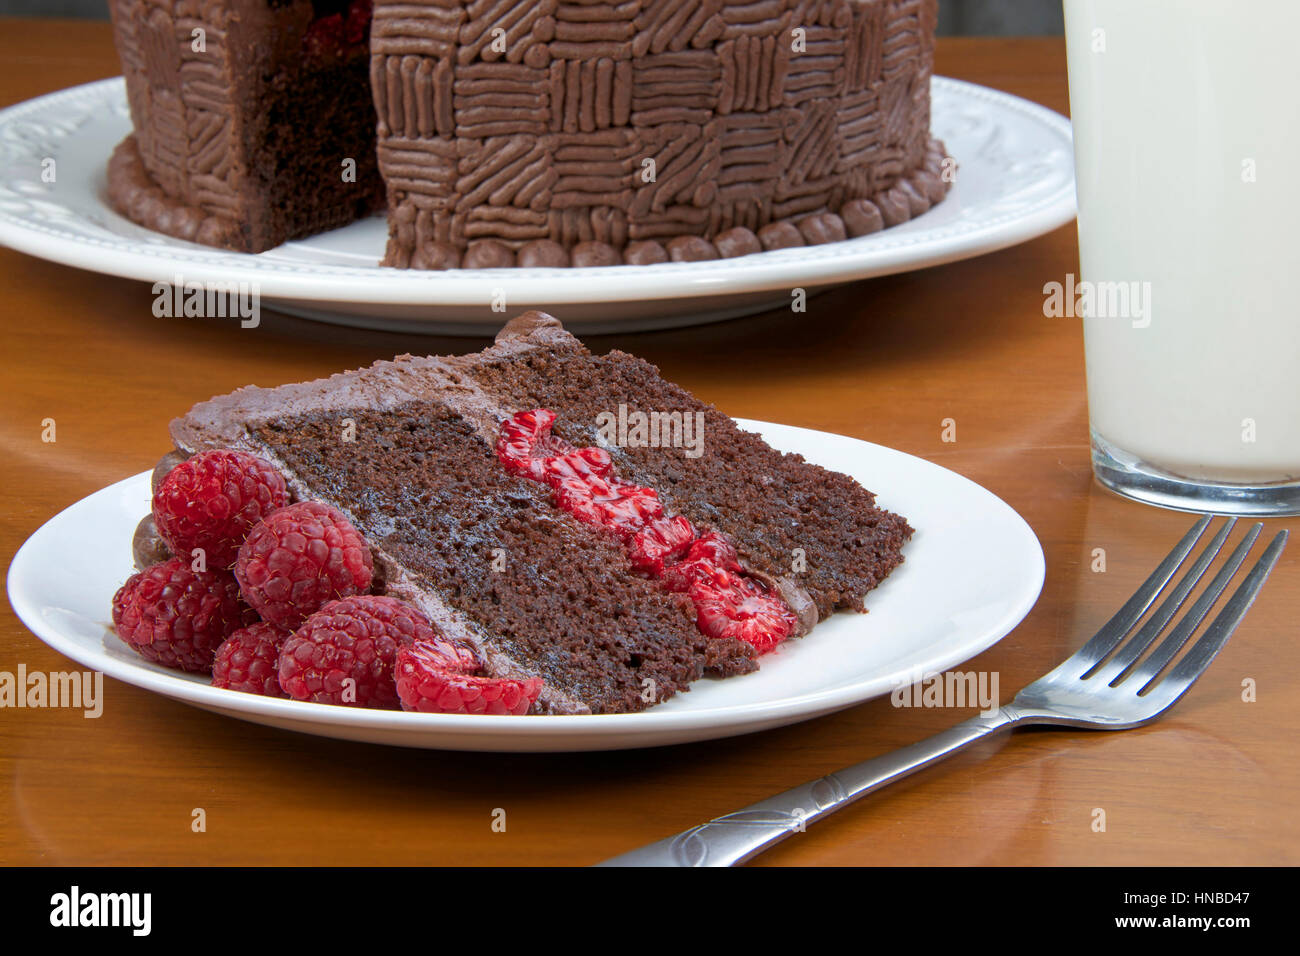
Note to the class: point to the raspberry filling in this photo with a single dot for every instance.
(341, 29)
(667, 548)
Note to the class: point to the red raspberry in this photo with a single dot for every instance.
(439, 677)
(211, 500)
(178, 617)
(728, 605)
(249, 660)
(613, 505)
(582, 463)
(661, 542)
(344, 653)
(299, 557)
(357, 27)
(525, 442)
(717, 550)
(708, 554)
(325, 38)
(526, 447)
(445, 654)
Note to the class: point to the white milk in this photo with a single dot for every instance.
(1187, 145)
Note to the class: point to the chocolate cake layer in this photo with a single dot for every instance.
(408, 450)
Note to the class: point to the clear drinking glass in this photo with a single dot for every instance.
(1187, 149)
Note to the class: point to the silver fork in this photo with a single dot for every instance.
(1105, 685)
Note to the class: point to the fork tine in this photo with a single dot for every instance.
(1113, 631)
(1116, 669)
(1186, 627)
(1204, 651)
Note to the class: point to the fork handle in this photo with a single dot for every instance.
(742, 835)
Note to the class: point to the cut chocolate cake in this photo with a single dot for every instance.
(533, 133)
(568, 516)
(254, 122)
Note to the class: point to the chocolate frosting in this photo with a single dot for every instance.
(436, 255)
(737, 242)
(691, 249)
(147, 545)
(930, 185)
(780, 235)
(487, 254)
(862, 217)
(822, 227)
(917, 202)
(645, 253)
(135, 195)
(550, 139)
(165, 464)
(542, 253)
(895, 206)
(595, 254)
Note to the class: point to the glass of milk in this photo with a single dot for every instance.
(1187, 150)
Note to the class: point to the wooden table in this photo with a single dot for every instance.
(886, 360)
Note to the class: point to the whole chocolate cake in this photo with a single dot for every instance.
(543, 133)
(509, 497)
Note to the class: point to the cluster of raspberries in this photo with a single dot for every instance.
(273, 598)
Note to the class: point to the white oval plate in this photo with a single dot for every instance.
(1015, 181)
(972, 572)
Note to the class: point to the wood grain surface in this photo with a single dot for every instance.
(886, 360)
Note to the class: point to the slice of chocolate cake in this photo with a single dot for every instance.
(520, 499)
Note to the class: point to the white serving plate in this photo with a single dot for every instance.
(1015, 181)
(972, 572)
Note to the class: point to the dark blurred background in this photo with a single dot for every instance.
(956, 17)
